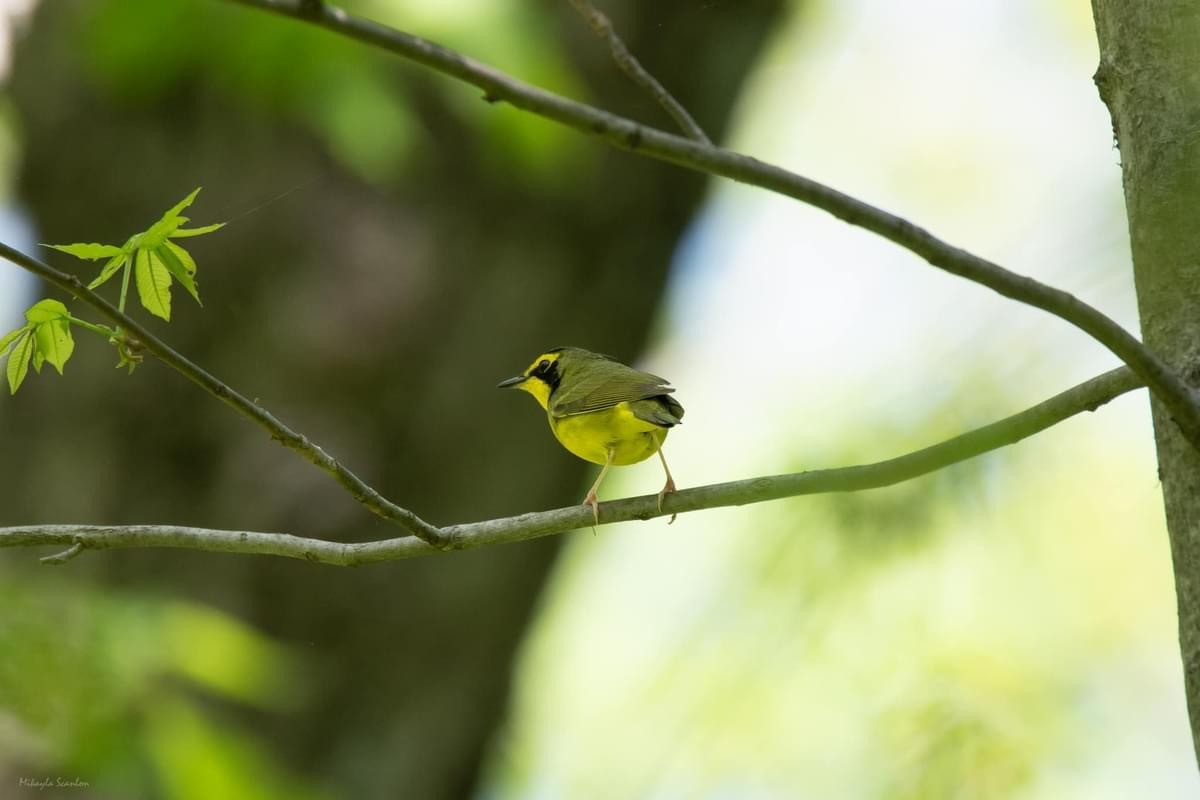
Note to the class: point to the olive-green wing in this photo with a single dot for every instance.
(604, 384)
(662, 410)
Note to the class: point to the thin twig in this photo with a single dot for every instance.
(281, 433)
(628, 135)
(1087, 396)
(65, 555)
(627, 63)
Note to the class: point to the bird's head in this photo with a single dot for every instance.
(541, 377)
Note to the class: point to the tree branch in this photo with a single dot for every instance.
(1086, 396)
(628, 135)
(627, 63)
(281, 433)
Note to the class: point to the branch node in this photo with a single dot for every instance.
(438, 539)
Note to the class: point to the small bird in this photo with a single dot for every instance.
(602, 411)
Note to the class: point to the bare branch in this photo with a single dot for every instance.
(1086, 396)
(628, 135)
(281, 433)
(627, 63)
(65, 555)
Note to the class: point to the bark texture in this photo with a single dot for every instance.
(1149, 77)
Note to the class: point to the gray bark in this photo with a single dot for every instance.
(1149, 77)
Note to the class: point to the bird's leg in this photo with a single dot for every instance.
(668, 487)
(590, 499)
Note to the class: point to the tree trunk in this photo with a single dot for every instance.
(1149, 77)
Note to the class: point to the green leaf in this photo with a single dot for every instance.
(180, 264)
(153, 284)
(87, 251)
(7, 340)
(181, 233)
(111, 268)
(54, 342)
(185, 258)
(157, 233)
(181, 205)
(18, 361)
(46, 310)
(38, 360)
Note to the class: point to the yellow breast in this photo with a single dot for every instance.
(590, 436)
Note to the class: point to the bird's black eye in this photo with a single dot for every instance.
(543, 366)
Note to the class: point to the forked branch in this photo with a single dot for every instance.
(281, 433)
(627, 63)
(629, 135)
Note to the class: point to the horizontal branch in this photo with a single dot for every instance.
(1085, 397)
(289, 438)
(628, 135)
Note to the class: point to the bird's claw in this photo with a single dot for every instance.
(593, 501)
(667, 489)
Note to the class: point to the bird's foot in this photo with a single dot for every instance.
(667, 489)
(591, 500)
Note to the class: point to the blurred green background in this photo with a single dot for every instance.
(1002, 629)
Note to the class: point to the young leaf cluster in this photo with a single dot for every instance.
(154, 262)
(153, 258)
(45, 336)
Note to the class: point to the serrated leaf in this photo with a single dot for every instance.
(7, 340)
(38, 360)
(111, 268)
(54, 342)
(153, 284)
(18, 362)
(46, 310)
(181, 265)
(88, 251)
(157, 233)
(183, 233)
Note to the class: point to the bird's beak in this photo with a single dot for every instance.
(511, 382)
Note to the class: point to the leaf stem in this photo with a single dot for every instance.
(125, 283)
(94, 328)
